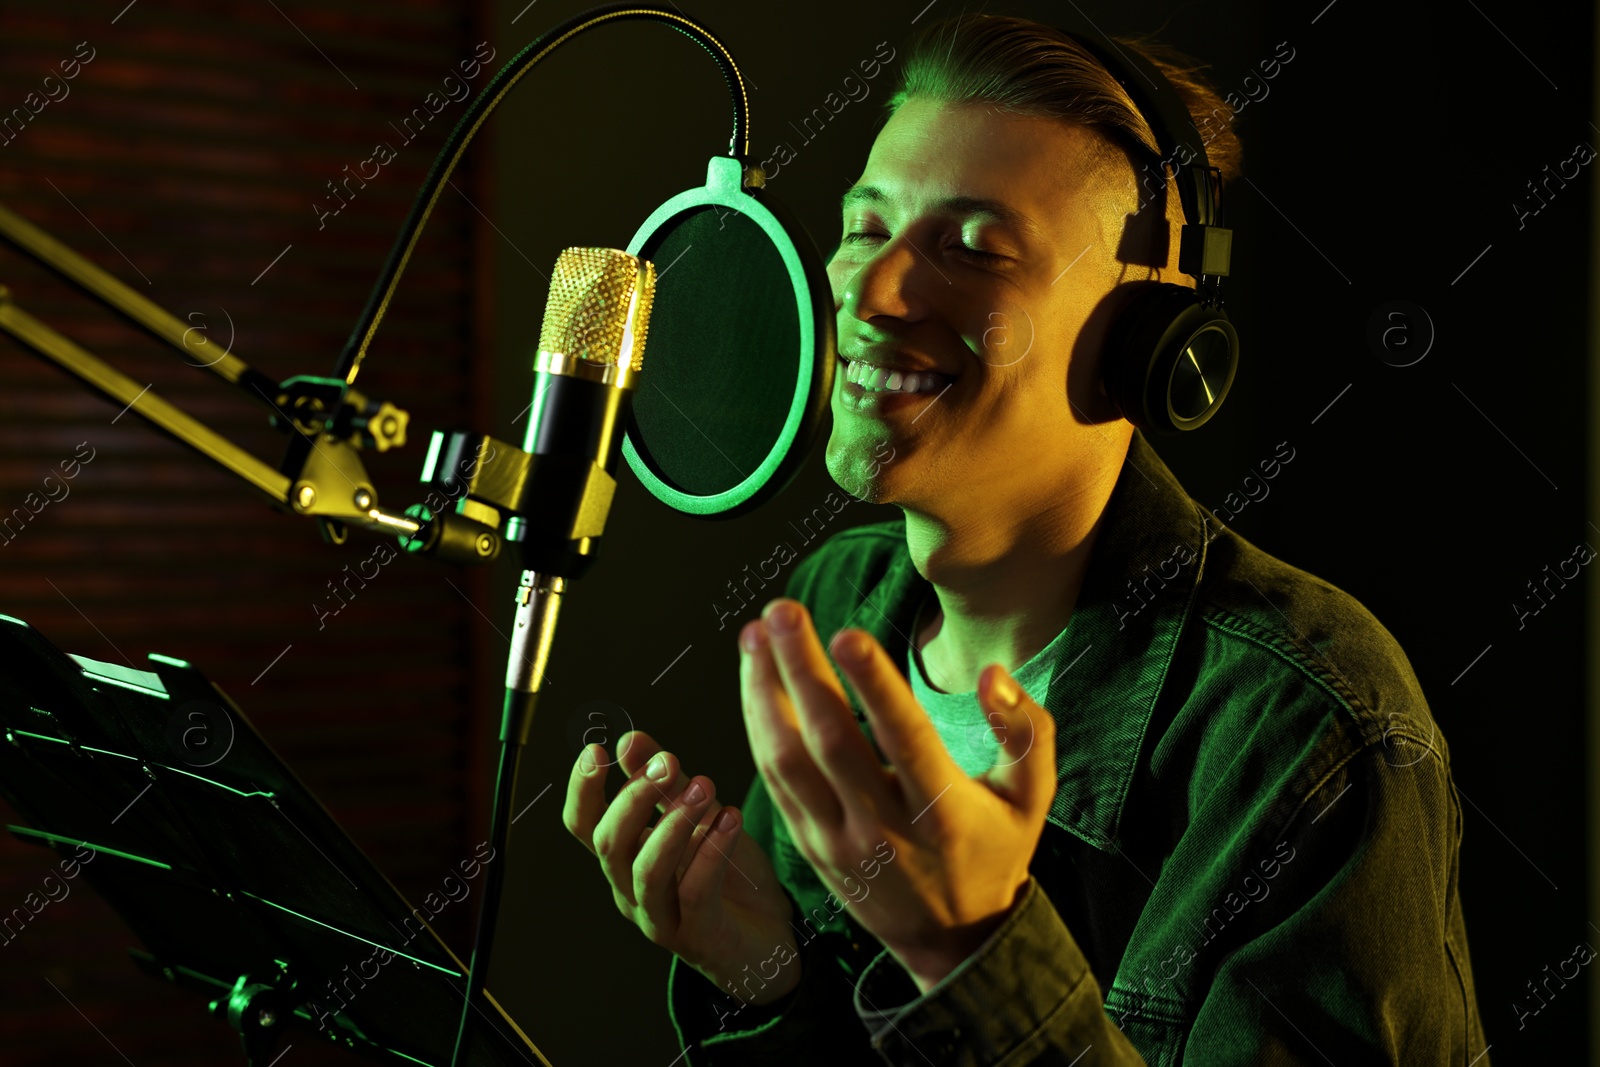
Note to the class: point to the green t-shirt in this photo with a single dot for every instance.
(960, 718)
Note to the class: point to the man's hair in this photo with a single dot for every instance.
(1027, 68)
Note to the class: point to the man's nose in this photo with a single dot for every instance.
(892, 283)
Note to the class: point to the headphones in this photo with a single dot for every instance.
(1171, 353)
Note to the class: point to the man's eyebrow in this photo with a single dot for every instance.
(955, 205)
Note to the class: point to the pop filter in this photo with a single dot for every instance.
(740, 360)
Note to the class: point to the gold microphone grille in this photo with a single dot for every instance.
(599, 306)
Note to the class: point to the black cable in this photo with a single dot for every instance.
(518, 714)
(477, 113)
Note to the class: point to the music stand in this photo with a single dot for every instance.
(236, 879)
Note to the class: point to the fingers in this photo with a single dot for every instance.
(1025, 772)
(799, 788)
(586, 795)
(806, 671)
(899, 724)
(586, 783)
(655, 870)
(708, 814)
(617, 835)
(700, 884)
(643, 864)
(634, 750)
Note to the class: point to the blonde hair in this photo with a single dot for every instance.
(1027, 68)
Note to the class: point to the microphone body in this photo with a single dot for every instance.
(574, 442)
(591, 350)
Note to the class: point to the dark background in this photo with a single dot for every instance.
(1383, 164)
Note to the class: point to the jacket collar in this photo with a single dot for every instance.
(1136, 597)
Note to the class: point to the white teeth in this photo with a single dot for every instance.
(882, 380)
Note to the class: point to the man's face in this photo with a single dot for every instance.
(994, 297)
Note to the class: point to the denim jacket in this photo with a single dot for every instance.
(1251, 856)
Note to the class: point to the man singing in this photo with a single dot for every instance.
(1080, 776)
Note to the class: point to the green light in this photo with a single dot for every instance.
(542, 385)
(126, 677)
(168, 660)
(108, 752)
(424, 515)
(429, 464)
(41, 737)
(56, 839)
(268, 794)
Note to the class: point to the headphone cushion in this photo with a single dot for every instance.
(1149, 337)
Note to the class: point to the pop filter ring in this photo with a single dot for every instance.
(813, 385)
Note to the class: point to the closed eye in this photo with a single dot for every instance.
(990, 257)
(859, 236)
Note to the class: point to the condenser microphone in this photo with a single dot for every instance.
(591, 351)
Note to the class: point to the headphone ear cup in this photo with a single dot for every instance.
(1169, 360)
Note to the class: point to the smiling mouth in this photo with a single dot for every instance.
(862, 379)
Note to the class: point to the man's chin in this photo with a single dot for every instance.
(872, 492)
(856, 471)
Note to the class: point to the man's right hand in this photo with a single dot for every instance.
(673, 879)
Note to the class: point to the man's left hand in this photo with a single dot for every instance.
(960, 845)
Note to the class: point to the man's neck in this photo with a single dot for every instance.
(1002, 591)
